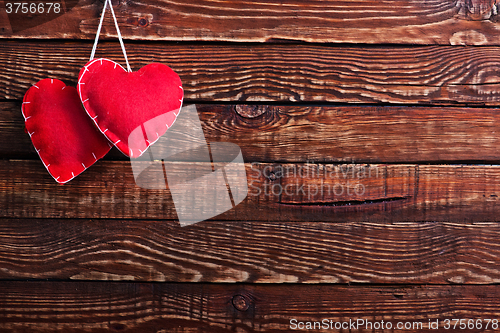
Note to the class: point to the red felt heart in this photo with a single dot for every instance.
(132, 109)
(63, 135)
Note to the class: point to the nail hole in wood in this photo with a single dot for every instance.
(241, 303)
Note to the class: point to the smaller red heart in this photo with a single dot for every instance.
(61, 132)
(132, 109)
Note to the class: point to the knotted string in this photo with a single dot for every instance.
(117, 30)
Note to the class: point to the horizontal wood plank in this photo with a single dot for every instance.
(276, 192)
(251, 252)
(351, 21)
(353, 212)
(323, 134)
(126, 307)
(279, 73)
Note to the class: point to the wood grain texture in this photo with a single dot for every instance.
(323, 134)
(350, 21)
(372, 211)
(279, 73)
(351, 134)
(251, 252)
(276, 192)
(125, 307)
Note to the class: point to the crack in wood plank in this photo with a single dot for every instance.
(346, 203)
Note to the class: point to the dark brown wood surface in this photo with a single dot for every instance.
(370, 135)
(456, 22)
(279, 192)
(297, 134)
(250, 252)
(144, 307)
(279, 73)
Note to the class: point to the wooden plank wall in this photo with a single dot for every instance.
(394, 102)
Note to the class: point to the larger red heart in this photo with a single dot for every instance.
(63, 135)
(132, 109)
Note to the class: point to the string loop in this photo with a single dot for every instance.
(117, 30)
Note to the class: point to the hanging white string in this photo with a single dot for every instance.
(119, 35)
(117, 30)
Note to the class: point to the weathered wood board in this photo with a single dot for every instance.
(324, 134)
(276, 192)
(369, 131)
(455, 22)
(250, 252)
(279, 73)
(144, 307)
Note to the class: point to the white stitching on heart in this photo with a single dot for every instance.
(80, 82)
(36, 149)
(45, 165)
(86, 101)
(22, 111)
(39, 150)
(41, 159)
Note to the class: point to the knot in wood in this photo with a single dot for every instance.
(477, 10)
(241, 303)
(143, 22)
(250, 111)
(272, 176)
